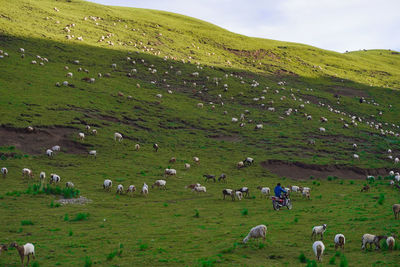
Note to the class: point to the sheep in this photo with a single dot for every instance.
(396, 211)
(172, 160)
(107, 184)
(339, 240)
(69, 185)
(248, 161)
(200, 105)
(209, 177)
(145, 189)
(187, 166)
(93, 153)
(322, 129)
(117, 136)
(27, 172)
(131, 189)
(318, 248)
(199, 189)
(244, 190)
(258, 126)
(168, 172)
(396, 160)
(265, 191)
(3, 248)
(355, 146)
(365, 188)
(137, 147)
(371, 239)
(114, 66)
(240, 164)
(81, 136)
(42, 176)
(239, 195)
(355, 156)
(54, 178)
(256, 232)
(49, 153)
(390, 241)
(191, 186)
(4, 172)
(222, 177)
(160, 184)
(120, 189)
(318, 230)
(228, 192)
(294, 188)
(26, 250)
(196, 160)
(56, 148)
(306, 194)
(391, 173)
(156, 147)
(69, 74)
(234, 120)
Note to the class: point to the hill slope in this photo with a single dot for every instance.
(225, 75)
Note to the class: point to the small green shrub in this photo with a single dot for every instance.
(302, 258)
(81, 217)
(70, 233)
(381, 199)
(66, 218)
(111, 255)
(88, 262)
(244, 212)
(343, 261)
(196, 213)
(311, 263)
(143, 247)
(26, 222)
(332, 261)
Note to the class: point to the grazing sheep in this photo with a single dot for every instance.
(94, 132)
(172, 160)
(81, 136)
(248, 161)
(27, 172)
(187, 166)
(49, 153)
(200, 105)
(339, 240)
(396, 210)
(396, 160)
(93, 153)
(318, 230)
(209, 177)
(168, 172)
(107, 184)
(371, 239)
(322, 129)
(222, 177)
(117, 136)
(160, 184)
(192, 186)
(200, 189)
(145, 189)
(56, 148)
(256, 232)
(355, 156)
(131, 189)
(196, 160)
(42, 176)
(69, 185)
(365, 188)
(137, 147)
(265, 191)
(228, 192)
(294, 188)
(258, 127)
(240, 164)
(390, 241)
(245, 191)
(239, 195)
(26, 250)
(4, 172)
(54, 178)
(391, 173)
(355, 146)
(306, 194)
(318, 248)
(120, 189)
(156, 147)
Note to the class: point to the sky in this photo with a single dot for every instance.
(337, 25)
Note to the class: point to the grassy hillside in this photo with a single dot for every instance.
(163, 229)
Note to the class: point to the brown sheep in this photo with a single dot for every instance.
(396, 210)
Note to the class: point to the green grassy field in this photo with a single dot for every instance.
(163, 229)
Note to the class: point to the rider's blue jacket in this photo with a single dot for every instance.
(278, 191)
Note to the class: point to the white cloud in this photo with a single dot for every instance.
(330, 24)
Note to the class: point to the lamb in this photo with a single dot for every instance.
(256, 232)
(54, 178)
(49, 153)
(187, 166)
(137, 147)
(209, 177)
(145, 189)
(318, 248)
(26, 250)
(228, 192)
(390, 241)
(160, 184)
(265, 191)
(318, 230)
(396, 211)
(69, 185)
(371, 239)
(131, 189)
(117, 136)
(27, 172)
(168, 172)
(120, 189)
(222, 177)
(81, 136)
(156, 147)
(339, 240)
(200, 189)
(239, 195)
(4, 172)
(244, 190)
(93, 153)
(107, 184)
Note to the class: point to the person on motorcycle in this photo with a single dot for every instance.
(279, 190)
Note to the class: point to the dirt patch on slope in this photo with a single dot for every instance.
(41, 139)
(299, 170)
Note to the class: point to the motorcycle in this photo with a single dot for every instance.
(285, 201)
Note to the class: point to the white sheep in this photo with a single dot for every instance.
(371, 239)
(187, 166)
(265, 191)
(120, 189)
(168, 172)
(390, 242)
(117, 136)
(391, 173)
(137, 147)
(234, 120)
(160, 184)
(200, 189)
(258, 126)
(56, 148)
(26, 250)
(355, 156)
(81, 136)
(322, 129)
(339, 240)
(239, 195)
(27, 172)
(240, 165)
(200, 105)
(107, 184)
(318, 230)
(93, 153)
(145, 189)
(54, 178)
(196, 160)
(318, 248)
(131, 189)
(256, 232)
(49, 153)
(396, 160)
(42, 176)
(69, 185)
(4, 172)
